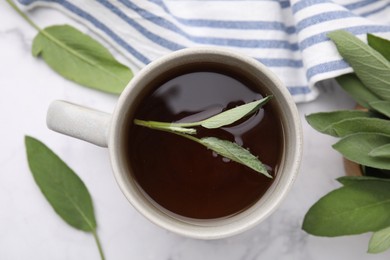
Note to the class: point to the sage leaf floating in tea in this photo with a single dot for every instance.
(163, 126)
(231, 116)
(224, 148)
(224, 118)
(63, 189)
(235, 153)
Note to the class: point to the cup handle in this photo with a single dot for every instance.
(80, 122)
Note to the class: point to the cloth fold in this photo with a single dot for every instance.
(287, 36)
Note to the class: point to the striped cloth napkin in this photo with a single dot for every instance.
(287, 36)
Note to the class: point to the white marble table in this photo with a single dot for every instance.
(29, 228)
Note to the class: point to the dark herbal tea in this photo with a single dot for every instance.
(185, 177)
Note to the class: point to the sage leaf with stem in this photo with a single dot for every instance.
(380, 45)
(63, 189)
(78, 57)
(356, 89)
(225, 118)
(163, 126)
(369, 65)
(233, 115)
(324, 121)
(380, 241)
(224, 148)
(382, 107)
(357, 148)
(358, 207)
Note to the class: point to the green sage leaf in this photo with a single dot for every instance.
(356, 208)
(324, 121)
(369, 65)
(235, 153)
(78, 57)
(359, 125)
(382, 107)
(380, 45)
(357, 148)
(381, 151)
(64, 190)
(354, 87)
(380, 241)
(233, 115)
(348, 180)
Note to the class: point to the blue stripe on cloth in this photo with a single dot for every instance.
(299, 90)
(26, 2)
(281, 62)
(269, 44)
(359, 4)
(307, 3)
(326, 67)
(242, 25)
(377, 10)
(298, 6)
(223, 24)
(283, 3)
(321, 37)
(170, 45)
(228, 24)
(323, 17)
(74, 9)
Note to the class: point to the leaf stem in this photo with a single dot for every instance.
(168, 127)
(15, 7)
(62, 45)
(97, 240)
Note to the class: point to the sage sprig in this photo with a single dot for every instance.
(224, 148)
(78, 57)
(62, 188)
(363, 203)
(225, 118)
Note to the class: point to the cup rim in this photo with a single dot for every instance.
(197, 231)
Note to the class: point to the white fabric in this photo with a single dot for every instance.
(287, 36)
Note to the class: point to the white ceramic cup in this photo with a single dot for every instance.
(108, 131)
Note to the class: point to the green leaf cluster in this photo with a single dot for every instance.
(363, 203)
(224, 148)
